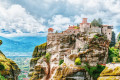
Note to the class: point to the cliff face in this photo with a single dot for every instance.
(38, 52)
(91, 49)
(11, 70)
(112, 71)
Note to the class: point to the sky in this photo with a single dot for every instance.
(34, 17)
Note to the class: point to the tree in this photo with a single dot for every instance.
(56, 32)
(77, 61)
(100, 22)
(1, 42)
(118, 37)
(113, 52)
(97, 22)
(113, 40)
(94, 22)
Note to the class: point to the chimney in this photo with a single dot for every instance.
(84, 20)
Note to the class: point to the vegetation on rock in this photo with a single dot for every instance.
(0, 42)
(113, 54)
(47, 56)
(77, 61)
(61, 61)
(94, 71)
(38, 51)
(2, 67)
(2, 77)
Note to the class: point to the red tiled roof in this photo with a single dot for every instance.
(50, 29)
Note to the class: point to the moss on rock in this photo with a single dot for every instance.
(10, 67)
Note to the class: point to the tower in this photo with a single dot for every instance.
(84, 21)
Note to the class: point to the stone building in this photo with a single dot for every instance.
(86, 28)
(56, 41)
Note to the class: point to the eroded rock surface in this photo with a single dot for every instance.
(111, 72)
(11, 70)
(68, 47)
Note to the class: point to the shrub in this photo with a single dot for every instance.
(2, 67)
(113, 52)
(0, 42)
(47, 56)
(77, 61)
(95, 36)
(2, 77)
(61, 61)
(94, 71)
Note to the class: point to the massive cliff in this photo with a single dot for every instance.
(8, 68)
(64, 50)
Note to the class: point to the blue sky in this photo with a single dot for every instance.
(34, 17)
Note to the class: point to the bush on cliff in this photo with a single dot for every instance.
(94, 71)
(2, 67)
(47, 56)
(77, 61)
(95, 36)
(0, 42)
(61, 61)
(113, 52)
(2, 77)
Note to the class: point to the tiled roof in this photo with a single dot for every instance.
(50, 29)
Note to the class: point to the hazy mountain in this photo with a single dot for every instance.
(20, 44)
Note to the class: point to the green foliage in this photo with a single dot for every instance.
(1, 42)
(2, 67)
(113, 39)
(42, 46)
(118, 37)
(77, 61)
(2, 77)
(113, 52)
(47, 56)
(94, 71)
(95, 36)
(61, 61)
(56, 32)
(97, 22)
(77, 27)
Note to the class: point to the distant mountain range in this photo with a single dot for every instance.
(20, 44)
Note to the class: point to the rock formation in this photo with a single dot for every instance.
(11, 70)
(90, 49)
(111, 72)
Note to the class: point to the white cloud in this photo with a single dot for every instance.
(58, 20)
(15, 19)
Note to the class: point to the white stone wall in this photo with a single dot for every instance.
(68, 61)
(74, 51)
(83, 27)
(107, 32)
(94, 29)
